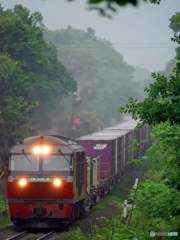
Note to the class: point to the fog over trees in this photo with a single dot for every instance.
(105, 79)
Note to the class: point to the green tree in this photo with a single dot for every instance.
(159, 204)
(164, 154)
(169, 68)
(30, 74)
(106, 6)
(175, 26)
(112, 5)
(163, 102)
(161, 108)
(105, 79)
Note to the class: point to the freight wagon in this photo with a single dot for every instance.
(113, 144)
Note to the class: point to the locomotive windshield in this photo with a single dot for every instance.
(56, 163)
(21, 163)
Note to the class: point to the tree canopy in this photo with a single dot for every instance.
(161, 108)
(30, 73)
(105, 78)
(175, 26)
(103, 6)
(163, 102)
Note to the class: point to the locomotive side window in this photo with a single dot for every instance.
(21, 163)
(56, 163)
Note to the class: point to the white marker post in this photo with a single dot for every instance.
(135, 187)
(136, 184)
(125, 205)
(130, 205)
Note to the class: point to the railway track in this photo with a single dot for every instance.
(25, 234)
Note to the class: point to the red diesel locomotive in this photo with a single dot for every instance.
(46, 182)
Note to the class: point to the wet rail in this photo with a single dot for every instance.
(17, 236)
(45, 236)
(21, 235)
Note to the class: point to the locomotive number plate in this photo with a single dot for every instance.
(40, 180)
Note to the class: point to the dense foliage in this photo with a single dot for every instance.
(105, 79)
(163, 102)
(160, 205)
(159, 201)
(175, 26)
(105, 6)
(30, 74)
(169, 68)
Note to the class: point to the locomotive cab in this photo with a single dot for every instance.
(42, 187)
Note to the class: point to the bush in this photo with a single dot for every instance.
(2, 205)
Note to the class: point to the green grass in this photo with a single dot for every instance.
(116, 228)
(4, 220)
(8, 234)
(102, 206)
(123, 188)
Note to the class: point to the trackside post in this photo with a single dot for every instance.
(135, 187)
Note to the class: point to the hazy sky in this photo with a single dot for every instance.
(141, 34)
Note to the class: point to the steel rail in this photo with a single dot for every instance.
(17, 236)
(45, 236)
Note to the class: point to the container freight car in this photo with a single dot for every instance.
(110, 146)
(113, 144)
(133, 134)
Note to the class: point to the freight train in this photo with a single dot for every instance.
(51, 180)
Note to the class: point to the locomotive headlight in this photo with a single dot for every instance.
(45, 150)
(57, 182)
(36, 150)
(23, 182)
